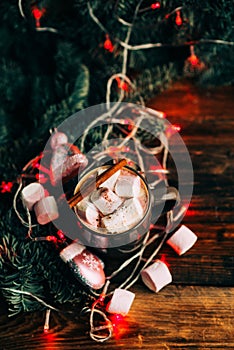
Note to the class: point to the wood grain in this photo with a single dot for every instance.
(197, 311)
(176, 318)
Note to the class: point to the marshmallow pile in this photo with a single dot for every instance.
(45, 207)
(117, 205)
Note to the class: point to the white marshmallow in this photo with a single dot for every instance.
(128, 186)
(125, 217)
(31, 194)
(83, 205)
(182, 240)
(88, 211)
(105, 200)
(156, 276)
(92, 215)
(109, 183)
(46, 210)
(121, 302)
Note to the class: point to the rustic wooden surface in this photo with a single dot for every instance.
(197, 310)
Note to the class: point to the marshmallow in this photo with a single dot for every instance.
(46, 210)
(128, 186)
(58, 139)
(105, 200)
(109, 183)
(156, 276)
(31, 194)
(182, 240)
(82, 205)
(92, 215)
(56, 166)
(121, 302)
(88, 211)
(125, 217)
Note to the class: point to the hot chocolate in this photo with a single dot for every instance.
(117, 205)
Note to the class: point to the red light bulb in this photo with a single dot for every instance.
(178, 19)
(156, 5)
(193, 59)
(6, 186)
(122, 84)
(177, 127)
(60, 234)
(164, 260)
(37, 14)
(108, 44)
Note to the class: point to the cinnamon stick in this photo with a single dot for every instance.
(86, 190)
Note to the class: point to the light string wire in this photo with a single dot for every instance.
(38, 29)
(153, 45)
(121, 75)
(108, 324)
(132, 278)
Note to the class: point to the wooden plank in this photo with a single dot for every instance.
(179, 317)
(206, 118)
(175, 318)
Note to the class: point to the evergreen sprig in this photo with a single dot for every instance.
(46, 77)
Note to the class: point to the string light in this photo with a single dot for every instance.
(193, 65)
(41, 178)
(156, 5)
(108, 44)
(60, 234)
(193, 58)
(37, 14)
(153, 45)
(120, 326)
(172, 130)
(153, 6)
(165, 260)
(178, 19)
(6, 186)
(122, 84)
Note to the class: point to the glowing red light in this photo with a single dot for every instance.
(156, 5)
(193, 60)
(60, 234)
(6, 186)
(191, 212)
(41, 178)
(172, 130)
(164, 260)
(51, 239)
(37, 13)
(108, 44)
(176, 127)
(49, 340)
(178, 19)
(120, 326)
(122, 84)
(36, 165)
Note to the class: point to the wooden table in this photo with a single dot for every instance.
(197, 310)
